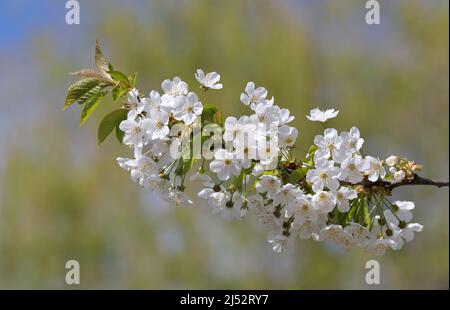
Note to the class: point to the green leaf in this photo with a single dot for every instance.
(208, 112)
(109, 122)
(90, 105)
(238, 180)
(118, 92)
(119, 76)
(100, 61)
(119, 134)
(78, 89)
(133, 79)
(218, 118)
(296, 175)
(362, 215)
(354, 205)
(310, 156)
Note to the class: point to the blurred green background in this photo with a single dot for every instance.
(63, 198)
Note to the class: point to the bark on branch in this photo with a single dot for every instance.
(416, 180)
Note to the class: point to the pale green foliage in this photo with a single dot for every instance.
(93, 86)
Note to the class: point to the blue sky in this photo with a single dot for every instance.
(21, 19)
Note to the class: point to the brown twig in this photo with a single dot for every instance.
(416, 180)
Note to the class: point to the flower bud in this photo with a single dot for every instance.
(392, 160)
(381, 221)
(395, 208)
(399, 175)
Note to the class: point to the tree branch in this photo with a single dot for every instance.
(416, 180)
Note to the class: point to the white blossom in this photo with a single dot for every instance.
(402, 211)
(330, 145)
(209, 80)
(135, 134)
(375, 168)
(287, 135)
(284, 195)
(324, 202)
(187, 108)
(352, 169)
(337, 235)
(359, 233)
(324, 175)
(408, 232)
(316, 115)
(180, 198)
(352, 140)
(157, 125)
(135, 103)
(378, 246)
(284, 116)
(224, 165)
(253, 95)
(268, 184)
(279, 241)
(303, 210)
(175, 87)
(343, 196)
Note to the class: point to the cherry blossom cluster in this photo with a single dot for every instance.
(147, 130)
(332, 204)
(253, 169)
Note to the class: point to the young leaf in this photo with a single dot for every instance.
(80, 88)
(90, 73)
(119, 76)
(100, 61)
(90, 105)
(118, 92)
(133, 79)
(109, 122)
